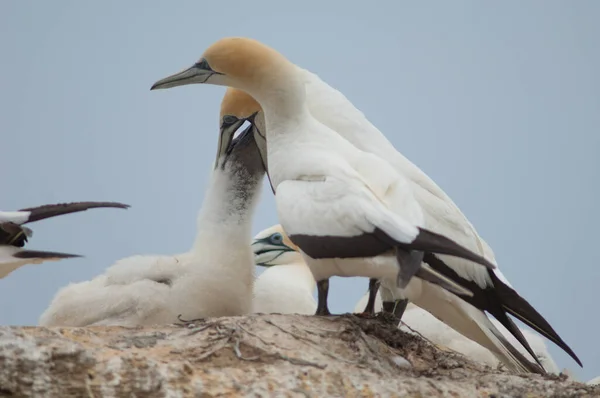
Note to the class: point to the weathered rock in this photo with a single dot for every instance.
(257, 355)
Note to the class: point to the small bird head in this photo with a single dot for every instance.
(272, 247)
(235, 62)
(237, 109)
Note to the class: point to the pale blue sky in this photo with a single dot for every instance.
(498, 102)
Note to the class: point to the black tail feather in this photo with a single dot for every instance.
(484, 299)
(500, 299)
(516, 332)
(522, 310)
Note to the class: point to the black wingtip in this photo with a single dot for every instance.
(31, 254)
(520, 308)
(53, 210)
(499, 299)
(510, 325)
(429, 241)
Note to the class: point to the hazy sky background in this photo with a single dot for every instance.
(498, 102)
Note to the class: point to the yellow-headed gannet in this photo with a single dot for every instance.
(14, 235)
(271, 79)
(339, 204)
(287, 285)
(215, 278)
(441, 214)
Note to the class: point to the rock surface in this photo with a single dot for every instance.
(256, 355)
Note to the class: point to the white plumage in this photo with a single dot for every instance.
(441, 215)
(287, 285)
(214, 278)
(327, 189)
(14, 235)
(360, 186)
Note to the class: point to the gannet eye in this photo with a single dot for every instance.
(229, 119)
(202, 64)
(276, 238)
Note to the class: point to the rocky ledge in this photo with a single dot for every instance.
(256, 355)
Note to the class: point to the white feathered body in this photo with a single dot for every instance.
(366, 190)
(440, 214)
(285, 289)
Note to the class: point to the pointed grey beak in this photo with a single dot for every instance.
(229, 126)
(266, 252)
(199, 73)
(226, 137)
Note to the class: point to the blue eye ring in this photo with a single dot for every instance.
(276, 238)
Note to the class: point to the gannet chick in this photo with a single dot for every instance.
(332, 199)
(278, 87)
(287, 285)
(14, 235)
(418, 320)
(215, 278)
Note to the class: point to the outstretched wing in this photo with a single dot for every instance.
(53, 210)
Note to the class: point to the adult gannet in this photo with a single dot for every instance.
(420, 321)
(214, 278)
(441, 214)
(495, 295)
(270, 78)
(339, 204)
(287, 285)
(14, 235)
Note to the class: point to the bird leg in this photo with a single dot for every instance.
(395, 307)
(410, 264)
(373, 289)
(322, 292)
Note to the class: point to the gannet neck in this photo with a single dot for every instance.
(228, 205)
(281, 94)
(291, 257)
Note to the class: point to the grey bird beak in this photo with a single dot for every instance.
(228, 130)
(266, 252)
(226, 138)
(199, 73)
(231, 143)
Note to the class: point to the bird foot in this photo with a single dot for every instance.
(323, 312)
(192, 323)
